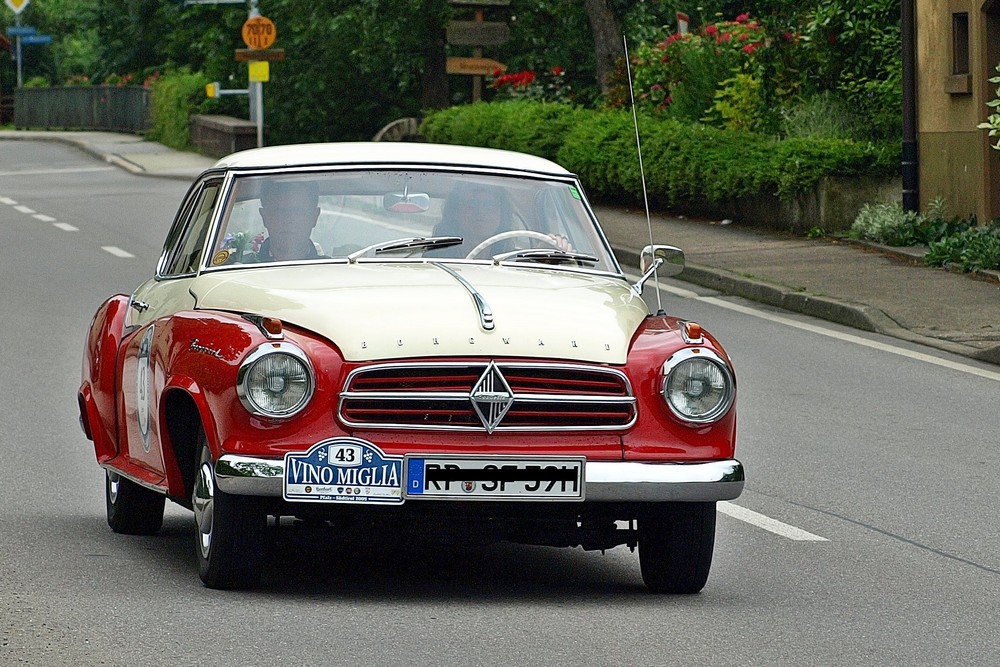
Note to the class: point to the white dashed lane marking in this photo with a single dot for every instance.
(64, 226)
(767, 523)
(116, 251)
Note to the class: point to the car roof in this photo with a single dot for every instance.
(381, 153)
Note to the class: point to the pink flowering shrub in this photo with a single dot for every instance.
(682, 74)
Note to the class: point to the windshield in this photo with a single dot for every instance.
(378, 215)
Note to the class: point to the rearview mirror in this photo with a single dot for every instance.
(406, 202)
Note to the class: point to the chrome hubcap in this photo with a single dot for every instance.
(203, 501)
(114, 481)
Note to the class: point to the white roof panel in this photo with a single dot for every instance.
(348, 153)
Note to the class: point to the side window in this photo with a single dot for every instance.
(187, 240)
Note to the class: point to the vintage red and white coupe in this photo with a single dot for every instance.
(457, 345)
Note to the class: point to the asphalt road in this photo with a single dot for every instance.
(867, 533)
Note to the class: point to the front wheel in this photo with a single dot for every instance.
(230, 531)
(132, 509)
(676, 541)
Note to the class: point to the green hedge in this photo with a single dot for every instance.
(175, 97)
(538, 128)
(685, 164)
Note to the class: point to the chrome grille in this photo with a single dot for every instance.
(487, 396)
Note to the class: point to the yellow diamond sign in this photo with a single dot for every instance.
(17, 5)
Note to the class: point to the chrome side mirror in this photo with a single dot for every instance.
(671, 259)
(665, 260)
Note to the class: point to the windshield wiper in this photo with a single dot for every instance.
(545, 254)
(406, 245)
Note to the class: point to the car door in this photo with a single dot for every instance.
(150, 309)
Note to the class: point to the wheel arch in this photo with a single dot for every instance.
(184, 418)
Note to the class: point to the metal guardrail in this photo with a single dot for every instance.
(112, 108)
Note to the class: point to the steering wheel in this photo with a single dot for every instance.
(512, 234)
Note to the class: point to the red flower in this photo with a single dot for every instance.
(750, 48)
(742, 17)
(557, 70)
(712, 30)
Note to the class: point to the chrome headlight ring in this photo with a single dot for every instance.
(276, 380)
(698, 385)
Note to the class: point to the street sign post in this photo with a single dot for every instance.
(23, 34)
(259, 33)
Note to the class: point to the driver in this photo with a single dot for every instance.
(289, 210)
(476, 214)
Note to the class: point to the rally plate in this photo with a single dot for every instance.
(343, 470)
(527, 478)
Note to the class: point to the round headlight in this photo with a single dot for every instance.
(276, 380)
(698, 385)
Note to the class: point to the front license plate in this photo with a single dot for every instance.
(494, 477)
(344, 470)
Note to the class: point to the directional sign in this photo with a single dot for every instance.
(36, 39)
(477, 33)
(259, 32)
(17, 6)
(245, 55)
(475, 66)
(20, 30)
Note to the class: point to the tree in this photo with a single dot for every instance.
(608, 47)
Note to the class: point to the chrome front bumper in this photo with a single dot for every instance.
(606, 481)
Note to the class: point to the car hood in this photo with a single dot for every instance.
(395, 310)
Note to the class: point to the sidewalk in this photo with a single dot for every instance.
(866, 287)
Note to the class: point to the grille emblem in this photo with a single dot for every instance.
(491, 397)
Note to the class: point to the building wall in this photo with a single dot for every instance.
(955, 161)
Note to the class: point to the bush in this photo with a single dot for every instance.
(884, 223)
(685, 164)
(890, 225)
(175, 97)
(972, 249)
(538, 128)
(821, 115)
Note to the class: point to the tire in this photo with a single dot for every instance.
(676, 542)
(132, 509)
(229, 536)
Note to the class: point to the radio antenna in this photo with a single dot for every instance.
(642, 172)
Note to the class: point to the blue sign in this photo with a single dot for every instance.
(36, 39)
(20, 30)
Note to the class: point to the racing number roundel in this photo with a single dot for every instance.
(259, 32)
(142, 386)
